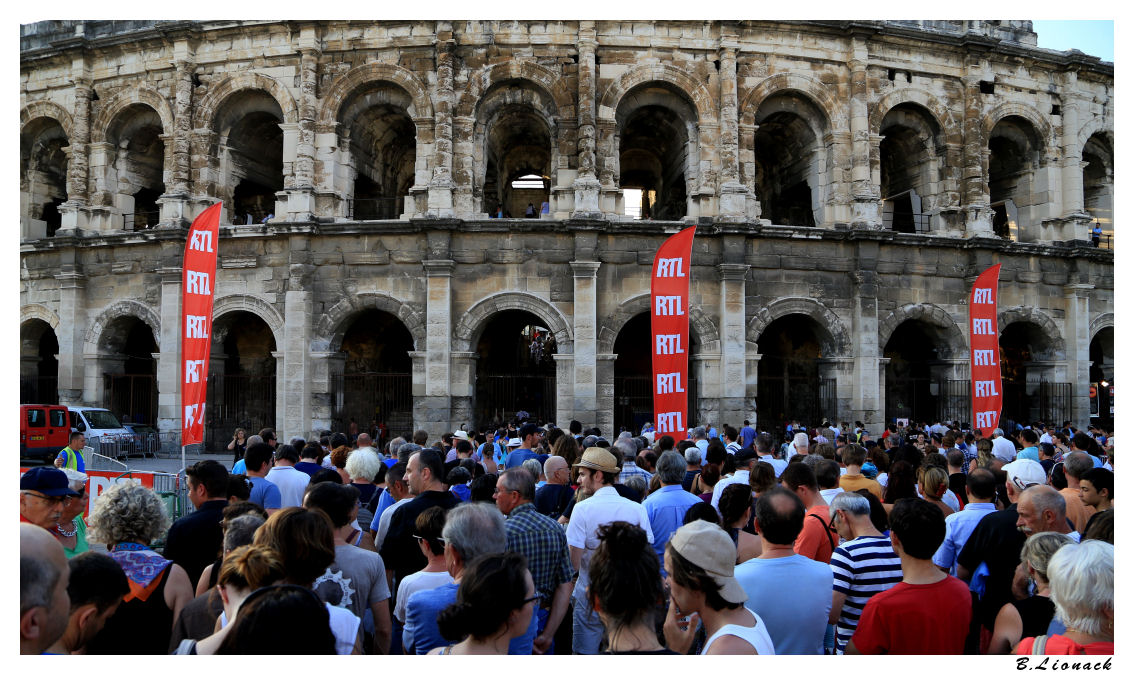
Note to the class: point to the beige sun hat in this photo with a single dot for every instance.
(708, 546)
(600, 459)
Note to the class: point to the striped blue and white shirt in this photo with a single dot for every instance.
(862, 567)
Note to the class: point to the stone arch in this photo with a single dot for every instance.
(945, 119)
(1039, 124)
(467, 331)
(955, 342)
(253, 305)
(702, 326)
(696, 90)
(783, 83)
(542, 77)
(834, 338)
(342, 88)
(1098, 323)
(134, 308)
(1020, 313)
(332, 327)
(30, 312)
(1097, 124)
(205, 114)
(37, 109)
(143, 94)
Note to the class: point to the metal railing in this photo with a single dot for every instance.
(380, 208)
(140, 220)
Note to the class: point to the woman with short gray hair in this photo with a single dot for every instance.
(1082, 588)
(128, 518)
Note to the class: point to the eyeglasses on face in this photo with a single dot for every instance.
(535, 598)
(53, 500)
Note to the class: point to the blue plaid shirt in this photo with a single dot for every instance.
(541, 540)
(632, 469)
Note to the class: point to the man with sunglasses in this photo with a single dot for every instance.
(43, 491)
(541, 540)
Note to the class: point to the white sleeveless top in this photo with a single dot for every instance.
(757, 636)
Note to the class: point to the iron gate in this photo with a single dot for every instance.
(246, 401)
(132, 398)
(780, 400)
(634, 402)
(502, 396)
(39, 390)
(364, 396)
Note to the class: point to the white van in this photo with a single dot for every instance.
(98, 425)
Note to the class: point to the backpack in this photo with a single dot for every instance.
(366, 511)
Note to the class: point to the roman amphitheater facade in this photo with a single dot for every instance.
(848, 180)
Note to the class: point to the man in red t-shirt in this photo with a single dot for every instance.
(929, 611)
(817, 540)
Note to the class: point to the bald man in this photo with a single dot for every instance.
(364, 441)
(552, 498)
(44, 604)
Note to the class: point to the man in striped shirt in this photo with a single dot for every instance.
(864, 565)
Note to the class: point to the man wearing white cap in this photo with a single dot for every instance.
(699, 563)
(997, 542)
(598, 470)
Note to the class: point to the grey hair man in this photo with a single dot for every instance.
(667, 505)
(471, 529)
(541, 540)
(629, 451)
(863, 565)
(44, 604)
(799, 446)
(1042, 509)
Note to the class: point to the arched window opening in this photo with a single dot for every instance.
(907, 167)
(789, 385)
(383, 149)
(1014, 156)
(655, 128)
(242, 378)
(790, 160)
(129, 370)
(633, 376)
(515, 370)
(1098, 187)
(43, 176)
(136, 168)
(376, 387)
(1102, 378)
(250, 155)
(517, 153)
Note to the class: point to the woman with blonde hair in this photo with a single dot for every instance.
(934, 483)
(128, 518)
(1029, 617)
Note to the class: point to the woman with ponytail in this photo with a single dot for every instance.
(494, 604)
(626, 589)
(934, 482)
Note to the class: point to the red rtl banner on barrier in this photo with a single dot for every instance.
(198, 284)
(984, 352)
(669, 332)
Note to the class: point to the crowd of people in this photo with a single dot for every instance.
(927, 539)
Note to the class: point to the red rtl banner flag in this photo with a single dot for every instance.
(198, 284)
(984, 352)
(669, 332)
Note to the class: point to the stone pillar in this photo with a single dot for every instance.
(326, 369)
(1076, 220)
(604, 415)
(436, 402)
(586, 184)
(441, 185)
(295, 369)
(752, 401)
(174, 203)
(865, 404)
(71, 331)
(733, 361)
(462, 392)
(1077, 337)
(565, 382)
(585, 313)
(169, 360)
(73, 217)
(974, 174)
(866, 209)
(606, 163)
(732, 193)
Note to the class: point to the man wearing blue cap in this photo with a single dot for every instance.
(43, 491)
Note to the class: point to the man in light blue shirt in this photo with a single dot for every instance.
(666, 507)
(763, 447)
(980, 485)
(790, 592)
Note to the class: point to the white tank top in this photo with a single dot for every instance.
(757, 636)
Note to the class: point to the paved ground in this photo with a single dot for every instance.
(163, 464)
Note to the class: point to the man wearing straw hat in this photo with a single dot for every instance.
(598, 470)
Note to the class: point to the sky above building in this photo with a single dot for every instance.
(1090, 37)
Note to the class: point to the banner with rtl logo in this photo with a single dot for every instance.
(669, 333)
(984, 352)
(198, 284)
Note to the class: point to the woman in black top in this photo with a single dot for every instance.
(1029, 617)
(626, 589)
(238, 445)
